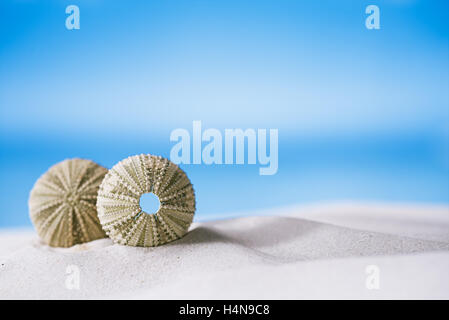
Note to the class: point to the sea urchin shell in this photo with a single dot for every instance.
(62, 203)
(119, 208)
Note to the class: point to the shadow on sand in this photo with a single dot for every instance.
(294, 239)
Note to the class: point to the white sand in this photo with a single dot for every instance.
(303, 252)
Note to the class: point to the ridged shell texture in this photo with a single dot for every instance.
(119, 208)
(62, 203)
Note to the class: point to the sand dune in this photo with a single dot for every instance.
(319, 252)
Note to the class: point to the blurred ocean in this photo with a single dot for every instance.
(398, 169)
(362, 114)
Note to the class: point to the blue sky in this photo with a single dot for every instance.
(362, 114)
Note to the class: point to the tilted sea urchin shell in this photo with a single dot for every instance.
(63, 203)
(119, 208)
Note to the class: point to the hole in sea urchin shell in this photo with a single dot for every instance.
(149, 202)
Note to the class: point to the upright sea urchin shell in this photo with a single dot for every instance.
(119, 208)
(62, 203)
